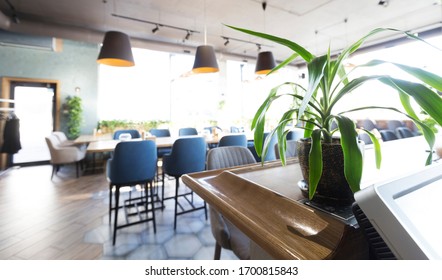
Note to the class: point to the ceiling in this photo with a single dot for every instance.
(315, 24)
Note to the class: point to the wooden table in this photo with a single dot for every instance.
(103, 144)
(86, 139)
(106, 144)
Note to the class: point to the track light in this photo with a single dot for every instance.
(155, 29)
(383, 3)
(226, 42)
(259, 47)
(187, 36)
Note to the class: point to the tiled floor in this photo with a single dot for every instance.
(191, 240)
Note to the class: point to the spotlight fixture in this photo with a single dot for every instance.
(383, 3)
(259, 47)
(226, 42)
(187, 35)
(155, 30)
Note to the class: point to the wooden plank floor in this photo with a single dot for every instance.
(67, 219)
(44, 219)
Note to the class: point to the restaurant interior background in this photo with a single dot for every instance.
(161, 86)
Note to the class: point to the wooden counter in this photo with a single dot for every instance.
(265, 203)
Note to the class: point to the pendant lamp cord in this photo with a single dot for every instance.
(205, 27)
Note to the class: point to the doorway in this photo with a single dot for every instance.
(36, 106)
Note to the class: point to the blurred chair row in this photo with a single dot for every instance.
(395, 130)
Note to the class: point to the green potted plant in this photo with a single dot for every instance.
(314, 110)
(75, 110)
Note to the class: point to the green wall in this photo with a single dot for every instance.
(74, 66)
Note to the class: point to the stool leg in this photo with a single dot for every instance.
(153, 206)
(217, 254)
(177, 183)
(117, 198)
(110, 203)
(162, 192)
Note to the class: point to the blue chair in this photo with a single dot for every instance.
(234, 129)
(133, 163)
(233, 140)
(295, 134)
(393, 124)
(271, 150)
(160, 132)
(364, 137)
(388, 135)
(188, 155)
(186, 131)
(404, 132)
(369, 124)
(133, 133)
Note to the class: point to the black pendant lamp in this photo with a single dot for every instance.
(205, 60)
(116, 50)
(265, 63)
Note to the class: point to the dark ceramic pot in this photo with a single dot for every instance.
(333, 189)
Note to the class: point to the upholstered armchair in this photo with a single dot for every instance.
(233, 140)
(227, 235)
(61, 154)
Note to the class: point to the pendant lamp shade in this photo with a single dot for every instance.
(116, 50)
(205, 60)
(265, 63)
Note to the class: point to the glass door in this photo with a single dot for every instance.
(34, 106)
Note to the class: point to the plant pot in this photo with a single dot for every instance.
(333, 189)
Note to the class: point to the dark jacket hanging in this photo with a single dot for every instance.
(11, 136)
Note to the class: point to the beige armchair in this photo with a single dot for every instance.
(63, 140)
(227, 235)
(61, 154)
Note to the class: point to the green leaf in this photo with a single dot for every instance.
(281, 133)
(309, 126)
(353, 84)
(315, 74)
(315, 163)
(284, 63)
(306, 55)
(376, 146)
(428, 78)
(353, 161)
(427, 99)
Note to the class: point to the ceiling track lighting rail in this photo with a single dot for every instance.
(157, 24)
(259, 45)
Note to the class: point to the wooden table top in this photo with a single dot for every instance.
(107, 144)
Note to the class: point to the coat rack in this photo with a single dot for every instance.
(3, 100)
